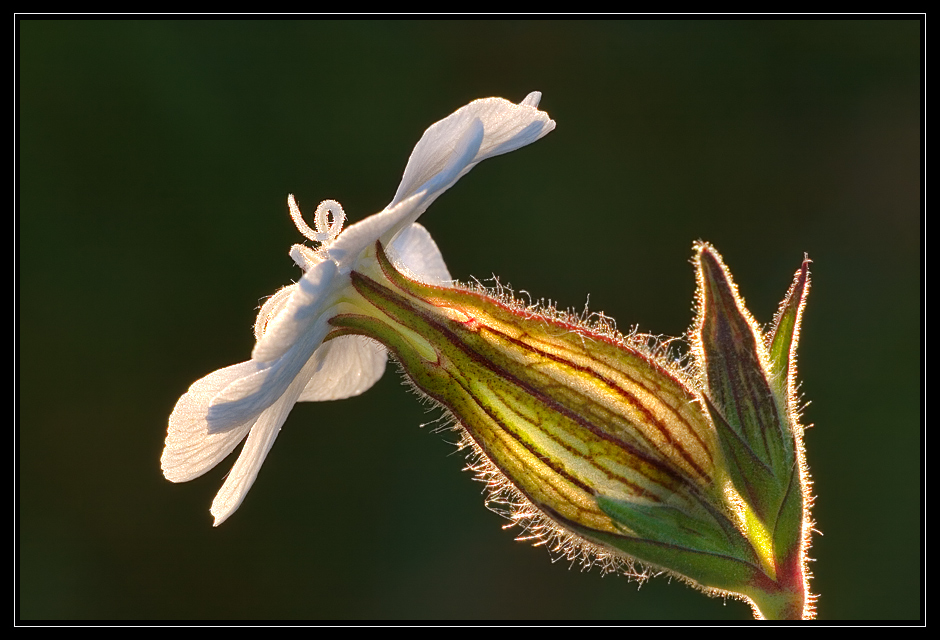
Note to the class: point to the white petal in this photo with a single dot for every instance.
(446, 151)
(415, 252)
(350, 244)
(388, 223)
(190, 449)
(350, 366)
(301, 311)
(248, 396)
(256, 448)
(463, 148)
(507, 127)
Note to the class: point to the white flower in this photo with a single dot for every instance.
(290, 363)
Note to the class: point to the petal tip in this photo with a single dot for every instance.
(532, 100)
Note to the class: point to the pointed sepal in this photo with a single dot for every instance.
(731, 349)
(783, 340)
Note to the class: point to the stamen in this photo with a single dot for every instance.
(298, 219)
(326, 231)
(339, 217)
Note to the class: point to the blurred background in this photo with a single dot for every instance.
(155, 161)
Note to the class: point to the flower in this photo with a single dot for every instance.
(603, 445)
(290, 362)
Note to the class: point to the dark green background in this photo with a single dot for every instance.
(155, 162)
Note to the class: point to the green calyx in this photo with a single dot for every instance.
(611, 444)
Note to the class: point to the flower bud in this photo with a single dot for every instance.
(751, 383)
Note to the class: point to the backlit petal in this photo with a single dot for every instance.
(415, 250)
(190, 449)
(350, 365)
(507, 127)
